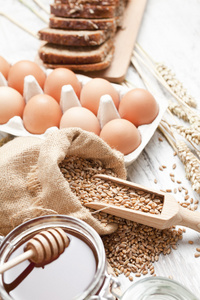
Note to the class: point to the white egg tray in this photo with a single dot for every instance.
(15, 125)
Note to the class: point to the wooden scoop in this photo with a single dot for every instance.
(42, 249)
(172, 213)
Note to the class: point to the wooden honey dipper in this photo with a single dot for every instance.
(42, 249)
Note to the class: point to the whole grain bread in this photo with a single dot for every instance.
(57, 54)
(87, 11)
(75, 37)
(96, 2)
(80, 34)
(83, 24)
(84, 68)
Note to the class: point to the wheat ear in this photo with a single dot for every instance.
(167, 78)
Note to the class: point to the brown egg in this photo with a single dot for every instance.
(59, 77)
(4, 67)
(80, 117)
(121, 135)
(11, 104)
(139, 107)
(92, 92)
(40, 113)
(21, 69)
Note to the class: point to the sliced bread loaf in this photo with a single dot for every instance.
(96, 2)
(75, 37)
(84, 68)
(87, 11)
(57, 54)
(83, 24)
(80, 34)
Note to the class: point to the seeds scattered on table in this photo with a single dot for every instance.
(134, 247)
(197, 255)
(190, 242)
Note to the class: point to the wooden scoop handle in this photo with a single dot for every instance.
(43, 248)
(188, 218)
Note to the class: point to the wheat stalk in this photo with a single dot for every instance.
(34, 11)
(175, 84)
(168, 135)
(194, 119)
(191, 164)
(178, 110)
(189, 133)
(18, 24)
(42, 6)
(185, 114)
(167, 78)
(190, 161)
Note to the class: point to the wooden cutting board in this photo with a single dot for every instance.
(124, 43)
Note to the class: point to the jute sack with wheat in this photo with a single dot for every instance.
(32, 183)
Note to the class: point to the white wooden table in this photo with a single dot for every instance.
(170, 33)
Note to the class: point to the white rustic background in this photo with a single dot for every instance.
(170, 33)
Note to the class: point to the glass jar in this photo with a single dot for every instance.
(157, 288)
(80, 275)
(84, 276)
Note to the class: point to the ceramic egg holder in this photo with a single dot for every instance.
(3, 81)
(31, 87)
(68, 98)
(107, 110)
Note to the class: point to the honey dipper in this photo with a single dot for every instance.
(42, 249)
(172, 213)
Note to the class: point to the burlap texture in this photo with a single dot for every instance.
(31, 183)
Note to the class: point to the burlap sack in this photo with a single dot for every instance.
(31, 183)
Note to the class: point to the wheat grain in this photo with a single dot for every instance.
(133, 247)
(197, 255)
(4, 140)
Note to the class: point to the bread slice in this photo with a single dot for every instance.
(96, 2)
(87, 11)
(83, 24)
(84, 68)
(75, 37)
(57, 54)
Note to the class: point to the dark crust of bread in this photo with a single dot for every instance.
(96, 2)
(84, 68)
(83, 24)
(84, 11)
(75, 37)
(55, 54)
